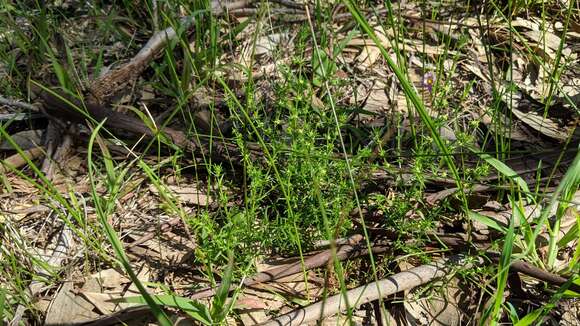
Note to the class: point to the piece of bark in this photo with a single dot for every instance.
(351, 250)
(15, 161)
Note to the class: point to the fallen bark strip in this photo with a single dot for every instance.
(15, 161)
(351, 250)
(18, 104)
(399, 282)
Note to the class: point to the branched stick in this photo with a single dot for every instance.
(68, 108)
(116, 80)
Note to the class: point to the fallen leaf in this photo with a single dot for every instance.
(189, 194)
(67, 308)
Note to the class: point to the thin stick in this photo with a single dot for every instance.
(399, 282)
(18, 104)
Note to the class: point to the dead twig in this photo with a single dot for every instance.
(109, 84)
(68, 108)
(289, 4)
(18, 104)
(535, 272)
(64, 243)
(370, 292)
(245, 12)
(152, 232)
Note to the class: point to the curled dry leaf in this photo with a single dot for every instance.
(367, 57)
(376, 105)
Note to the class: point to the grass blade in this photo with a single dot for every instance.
(503, 268)
(104, 208)
(193, 308)
(413, 97)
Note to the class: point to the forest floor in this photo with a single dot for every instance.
(282, 163)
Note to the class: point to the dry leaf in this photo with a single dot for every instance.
(440, 308)
(67, 308)
(368, 56)
(189, 194)
(543, 125)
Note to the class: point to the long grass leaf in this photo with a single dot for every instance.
(103, 211)
(412, 95)
(194, 309)
(503, 268)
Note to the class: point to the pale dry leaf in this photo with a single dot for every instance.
(477, 47)
(111, 279)
(518, 70)
(187, 194)
(264, 46)
(476, 70)
(267, 44)
(265, 299)
(317, 102)
(498, 123)
(543, 125)
(67, 308)
(367, 57)
(251, 317)
(443, 307)
(543, 38)
(402, 104)
(249, 302)
(377, 105)
(103, 302)
(144, 276)
(363, 41)
(147, 93)
(421, 47)
(525, 23)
